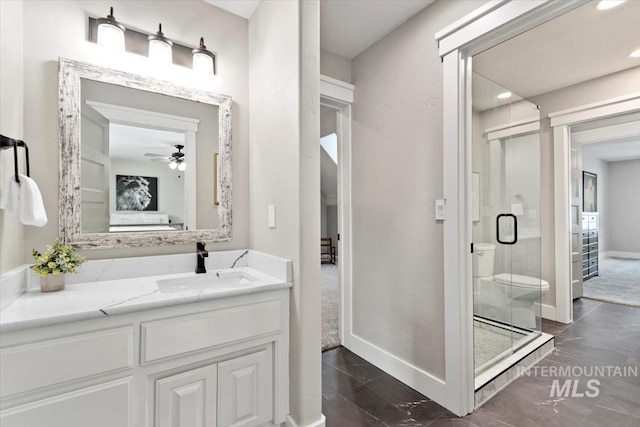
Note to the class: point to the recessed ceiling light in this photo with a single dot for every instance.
(609, 4)
(635, 54)
(505, 95)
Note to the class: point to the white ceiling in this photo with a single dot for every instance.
(131, 143)
(244, 8)
(348, 27)
(611, 139)
(578, 46)
(614, 151)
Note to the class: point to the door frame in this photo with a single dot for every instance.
(338, 96)
(488, 26)
(561, 123)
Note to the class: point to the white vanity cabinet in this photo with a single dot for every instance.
(216, 363)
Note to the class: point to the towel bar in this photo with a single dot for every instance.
(6, 142)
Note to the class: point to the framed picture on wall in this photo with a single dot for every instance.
(136, 193)
(589, 192)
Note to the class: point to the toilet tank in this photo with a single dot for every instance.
(483, 254)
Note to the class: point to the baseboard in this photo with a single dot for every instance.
(290, 422)
(547, 311)
(414, 377)
(617, 254)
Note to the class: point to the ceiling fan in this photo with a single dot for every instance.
(176, 159)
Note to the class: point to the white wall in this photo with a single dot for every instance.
(11, 125)
(398, 293)
(332, 225)
(323, 215)
(59, 28)
(624, 206)
(335, 66)
(284, 82)
(591, 163)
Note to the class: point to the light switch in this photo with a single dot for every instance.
(440, 209)
(271, 217)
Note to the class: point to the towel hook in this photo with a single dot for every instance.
(6, 143)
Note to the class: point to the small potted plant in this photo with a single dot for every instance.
(54, 263)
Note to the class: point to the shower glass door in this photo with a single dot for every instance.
(506, 225)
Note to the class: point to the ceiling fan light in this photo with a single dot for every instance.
(173, 165)
(182, 166)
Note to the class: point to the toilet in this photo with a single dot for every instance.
(505, 297)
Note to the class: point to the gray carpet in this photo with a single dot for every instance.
(618, 282)
(329, 306)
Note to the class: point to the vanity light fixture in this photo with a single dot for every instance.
(203, 60)
(635, 54)
(505, 95)
(110, 32)
(160, 47)
(609, 4)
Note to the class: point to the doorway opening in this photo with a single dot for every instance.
(605, 165)
(335, 157)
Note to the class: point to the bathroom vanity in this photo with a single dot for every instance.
(157, 350)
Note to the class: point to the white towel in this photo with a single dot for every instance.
(24, 198)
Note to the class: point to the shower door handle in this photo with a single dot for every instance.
(515, 229)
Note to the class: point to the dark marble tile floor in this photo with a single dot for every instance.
(356, 393)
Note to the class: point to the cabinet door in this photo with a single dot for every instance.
(244, 391)
(187, 399)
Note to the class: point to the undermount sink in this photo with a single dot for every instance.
(219, 281)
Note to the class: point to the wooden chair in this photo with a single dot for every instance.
(327, 251)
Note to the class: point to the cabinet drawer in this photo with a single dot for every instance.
(593, 233)
(172, 337)
(593, 247)
(46, 363)
(104, 405)
(593, 270)
(585, 264)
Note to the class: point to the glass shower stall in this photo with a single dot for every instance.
(507, 284)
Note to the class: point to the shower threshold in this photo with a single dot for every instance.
(497, 371)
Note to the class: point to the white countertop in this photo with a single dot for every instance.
(93, 300)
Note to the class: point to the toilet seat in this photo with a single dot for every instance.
(520, 281)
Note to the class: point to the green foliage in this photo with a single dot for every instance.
(56, 260)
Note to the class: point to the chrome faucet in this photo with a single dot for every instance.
(202, 253)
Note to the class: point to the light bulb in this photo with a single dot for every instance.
(160, 48)
(182, 166)
(609, 4)
(505, 95)
(110, 33)
(203, 59)
(173, 165)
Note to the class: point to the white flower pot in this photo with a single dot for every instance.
(52, 283)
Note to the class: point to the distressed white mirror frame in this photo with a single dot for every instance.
(487, 26)
(69, 74)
